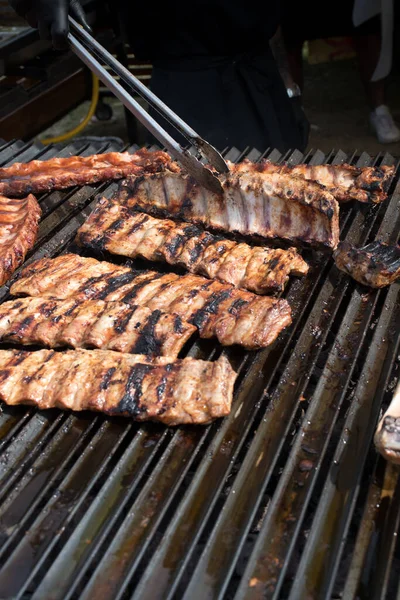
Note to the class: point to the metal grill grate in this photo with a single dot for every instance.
(286, 498)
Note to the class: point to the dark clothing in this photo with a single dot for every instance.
(213, 66)
(197, 28)
(230, 102)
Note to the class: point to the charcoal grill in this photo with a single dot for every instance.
(284, 499)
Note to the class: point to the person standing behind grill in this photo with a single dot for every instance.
(212, 64)
(370, 25)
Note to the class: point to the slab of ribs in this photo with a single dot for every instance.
(118, 230)
(171, 391)
(19, 219)
(216, 309)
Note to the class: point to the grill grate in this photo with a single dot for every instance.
(285, 499)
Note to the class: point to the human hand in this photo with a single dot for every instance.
(50, 17)
(301, 121)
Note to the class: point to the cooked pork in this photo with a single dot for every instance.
(58, 173)
(167, 390)
(216, 309)
(255, 202)
(375, 265)
(345, 182)
(81, 323)
(387, 436)
(18, 230)
(115, 228)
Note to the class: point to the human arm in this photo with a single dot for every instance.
(292, 88)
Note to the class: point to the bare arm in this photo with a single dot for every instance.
(279, 51)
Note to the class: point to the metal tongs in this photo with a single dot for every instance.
(91, 53)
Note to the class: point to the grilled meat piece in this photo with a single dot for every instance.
(254, 202)
(93, 324)
(216, 309)
(345, 182)
(18, 230)
(387, 436)
(167, 390)
(59, 173)
(115, 228)
(375, 265)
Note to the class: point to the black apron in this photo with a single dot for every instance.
(213, 66)
(230, 101)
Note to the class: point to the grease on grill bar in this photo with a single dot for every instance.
(284, 498)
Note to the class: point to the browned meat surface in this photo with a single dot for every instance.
(93, 324)
(255, 202)
(387, 434)
(115, 228)
(170, 391)
(58, 173)
(18, 230)
(375, 265)
(345, 182)
(216, 309)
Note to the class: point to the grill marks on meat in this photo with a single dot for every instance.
(59, 173)
(115, 228)
(18, 230)
(216, 309)
(173, 392)
(254, 202)
(375, 265)
(83, 323)
(345, 182)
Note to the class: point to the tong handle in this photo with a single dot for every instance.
(206, 149)
(202, 175)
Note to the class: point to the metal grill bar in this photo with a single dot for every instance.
(296, 483)
(262, 503)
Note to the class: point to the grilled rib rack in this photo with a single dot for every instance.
(285, 499)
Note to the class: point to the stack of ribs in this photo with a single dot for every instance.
(126, 326)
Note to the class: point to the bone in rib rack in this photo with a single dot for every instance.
(286, 497)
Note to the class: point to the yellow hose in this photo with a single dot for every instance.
(69, 134)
